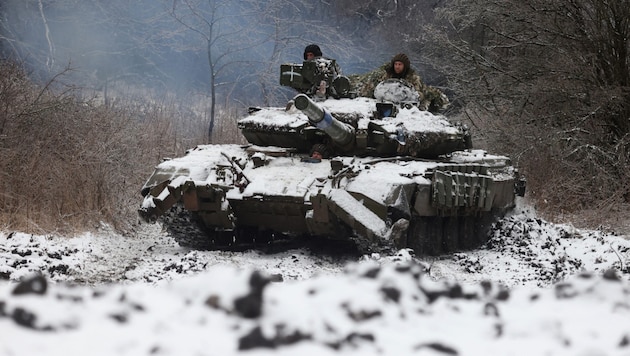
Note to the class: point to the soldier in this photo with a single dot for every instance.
(327, 75)
(311, 51)
(399, 67)
(318, 152)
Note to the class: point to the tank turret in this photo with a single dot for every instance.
(394, 176)
(360, 126)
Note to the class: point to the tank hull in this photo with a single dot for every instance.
(226, 196)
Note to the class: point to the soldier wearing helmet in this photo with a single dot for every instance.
(328, 79)
(311, 51)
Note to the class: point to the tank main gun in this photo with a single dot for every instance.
(342, 134)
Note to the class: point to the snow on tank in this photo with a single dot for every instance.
(391, 176)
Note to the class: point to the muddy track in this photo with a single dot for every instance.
(188, 231)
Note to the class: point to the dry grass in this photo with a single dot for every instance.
(578, 175)
(70, 163)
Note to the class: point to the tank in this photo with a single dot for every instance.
(329, 166)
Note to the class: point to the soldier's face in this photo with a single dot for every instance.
(399, 67)
(309, 55)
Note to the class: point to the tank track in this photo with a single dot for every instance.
(427, 236)
(188, 231)
(437, 235)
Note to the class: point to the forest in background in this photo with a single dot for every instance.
(94, 93)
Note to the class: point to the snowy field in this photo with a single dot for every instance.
(536, 288)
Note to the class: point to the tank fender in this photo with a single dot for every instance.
(157, 201)
(401, 203)
(345, 207)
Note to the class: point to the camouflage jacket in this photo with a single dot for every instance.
(431, 98)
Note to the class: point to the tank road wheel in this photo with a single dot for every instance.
(264, 240)
(221, 239)
(246, 235)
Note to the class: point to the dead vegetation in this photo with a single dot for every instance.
(69, 163)
(574, 175)
(551, 90)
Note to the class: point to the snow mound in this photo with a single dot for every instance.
(535, 288)
(371, 308)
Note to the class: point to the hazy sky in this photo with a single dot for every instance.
(145, 43)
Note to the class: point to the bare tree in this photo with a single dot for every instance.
(249, 39)
(536, 54)
(548, 82)
(396, 25)
(287, 26)
(223, 26)
(106, 42)
(17, 26)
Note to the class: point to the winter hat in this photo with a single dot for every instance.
(313, 48)
(401, 57)
(322, 149)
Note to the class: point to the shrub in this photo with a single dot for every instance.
(70, 162)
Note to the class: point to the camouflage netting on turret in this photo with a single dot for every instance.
(432, 98)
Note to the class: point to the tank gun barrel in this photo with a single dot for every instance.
(341, 133)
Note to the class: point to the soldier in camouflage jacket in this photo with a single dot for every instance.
(431, 99)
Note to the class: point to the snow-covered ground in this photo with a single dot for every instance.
(536, 288)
